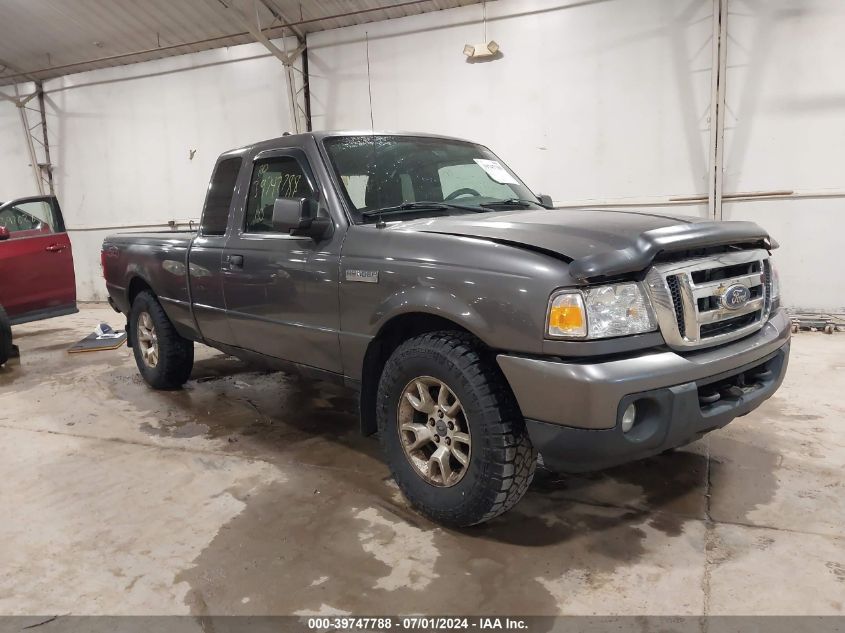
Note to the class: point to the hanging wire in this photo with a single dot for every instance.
(369, 82)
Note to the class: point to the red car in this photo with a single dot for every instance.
(36, 264)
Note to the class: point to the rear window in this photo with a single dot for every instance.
(215, 216)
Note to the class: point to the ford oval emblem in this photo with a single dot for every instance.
(735, 296)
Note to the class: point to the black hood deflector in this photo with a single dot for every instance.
(598, 243)
(669, 239)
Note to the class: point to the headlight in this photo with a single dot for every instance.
(600, 312)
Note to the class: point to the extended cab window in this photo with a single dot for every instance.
(272, 178)
(215, 216)
(30, 218)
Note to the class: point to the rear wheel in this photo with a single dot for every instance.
(164, 358)
(451, 431)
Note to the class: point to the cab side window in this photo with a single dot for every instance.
(215, 216)
(280, 177)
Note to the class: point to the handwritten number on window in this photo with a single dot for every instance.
(269, 185)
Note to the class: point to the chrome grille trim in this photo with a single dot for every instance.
(675, 292)
(672, 283)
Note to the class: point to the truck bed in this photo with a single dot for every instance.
(158, 257)
(149, 236)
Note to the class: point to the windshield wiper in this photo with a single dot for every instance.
(406, 207)
(513, 202)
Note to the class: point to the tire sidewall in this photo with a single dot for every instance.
(5, 337)
(470, 491)
(143, 303)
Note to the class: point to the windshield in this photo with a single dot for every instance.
(386, 172)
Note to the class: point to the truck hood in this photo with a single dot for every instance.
(599, 243)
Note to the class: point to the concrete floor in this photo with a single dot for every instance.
(253, 493)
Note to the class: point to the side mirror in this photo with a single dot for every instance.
(298, 216)
(546, 200)
(5, 234)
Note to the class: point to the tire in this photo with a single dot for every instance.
(500, 459)
(7, 350)
(171, 364)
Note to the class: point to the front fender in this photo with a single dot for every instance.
(430, 300)
(498, 292)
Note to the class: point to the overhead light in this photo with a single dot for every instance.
(476, 51)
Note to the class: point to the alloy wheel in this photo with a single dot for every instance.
(147, 339)
(434, 431)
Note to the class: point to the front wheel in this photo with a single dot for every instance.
(451, 430)
(164, 358)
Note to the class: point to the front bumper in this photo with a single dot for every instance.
(573, 409)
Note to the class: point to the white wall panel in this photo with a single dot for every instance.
(785, 130)
(785, 124)
(590, 101)
(605, 101)
(122, 139)
(810, 233)
(16, 178)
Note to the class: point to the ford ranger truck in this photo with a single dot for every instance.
(479, 325)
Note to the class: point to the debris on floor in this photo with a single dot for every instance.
(101, 339)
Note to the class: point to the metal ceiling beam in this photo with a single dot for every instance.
(297, 110)
(254, 29)
(32, 75)
(18, 72)
(277, 13)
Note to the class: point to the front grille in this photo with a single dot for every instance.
(767, 279)
(711, 300)
(728, 325)
(675, 292)
(725, 272)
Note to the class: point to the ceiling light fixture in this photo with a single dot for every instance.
(481, 50)
(485, 50)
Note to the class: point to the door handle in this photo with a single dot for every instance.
(55, 248)
(236, 262)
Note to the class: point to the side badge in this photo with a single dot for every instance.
(364, 276)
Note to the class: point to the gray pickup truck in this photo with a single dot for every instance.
(479, 325)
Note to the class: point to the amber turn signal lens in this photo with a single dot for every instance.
(567, 315)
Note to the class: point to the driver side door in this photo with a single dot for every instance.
(36, 261)
(281, 290)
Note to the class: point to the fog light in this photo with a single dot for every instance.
(629, 417)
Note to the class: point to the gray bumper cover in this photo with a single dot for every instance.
(587, 394)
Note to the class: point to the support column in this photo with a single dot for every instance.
(717, 107)
(39, 167)
(47, 166)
